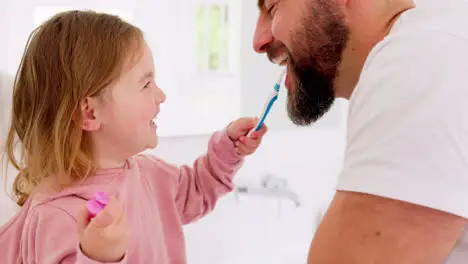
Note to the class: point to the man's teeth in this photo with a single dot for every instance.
(281, 60)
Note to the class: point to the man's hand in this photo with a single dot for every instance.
(367, 229)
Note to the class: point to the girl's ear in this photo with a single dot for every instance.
(88, 114)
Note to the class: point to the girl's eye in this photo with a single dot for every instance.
(146, 85)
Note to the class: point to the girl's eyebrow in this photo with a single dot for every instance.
(146, 76)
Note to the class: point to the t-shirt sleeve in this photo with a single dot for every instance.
(407, 125)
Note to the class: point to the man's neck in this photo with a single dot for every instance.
(362, 40)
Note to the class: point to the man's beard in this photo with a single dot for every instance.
(316, 51)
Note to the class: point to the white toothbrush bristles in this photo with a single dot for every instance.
(282, 74)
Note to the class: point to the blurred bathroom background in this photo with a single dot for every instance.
(211, 75)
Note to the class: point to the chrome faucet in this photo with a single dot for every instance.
(271, 186)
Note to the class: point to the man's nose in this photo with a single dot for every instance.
(263, 36)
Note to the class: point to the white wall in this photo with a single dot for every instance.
(264, 230)
(6, 207)
(3, 88)
(204, 103)
(255, 229)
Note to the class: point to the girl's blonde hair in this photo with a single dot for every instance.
(73, 55)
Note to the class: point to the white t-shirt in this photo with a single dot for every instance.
(408, 117)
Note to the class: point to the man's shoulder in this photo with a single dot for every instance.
(410, 76)
(437, 29)
(434, 17)
(416, 58)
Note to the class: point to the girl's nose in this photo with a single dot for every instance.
(160, 96)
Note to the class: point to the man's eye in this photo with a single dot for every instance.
(271, 10)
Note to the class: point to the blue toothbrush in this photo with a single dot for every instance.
(269, 104)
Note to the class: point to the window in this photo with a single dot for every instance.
(212, 21)
(196, 45)
(196, 50)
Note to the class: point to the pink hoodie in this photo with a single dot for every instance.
(157, 197)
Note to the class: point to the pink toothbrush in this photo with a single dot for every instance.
(96, 205)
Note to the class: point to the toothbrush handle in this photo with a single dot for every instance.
(96, 205)
(264, 115)
(269, 104)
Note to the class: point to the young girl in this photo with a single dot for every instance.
(83, 107)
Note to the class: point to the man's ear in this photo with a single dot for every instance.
(88, 115)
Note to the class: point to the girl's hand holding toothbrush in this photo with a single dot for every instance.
(237, 132)
(104, 237)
